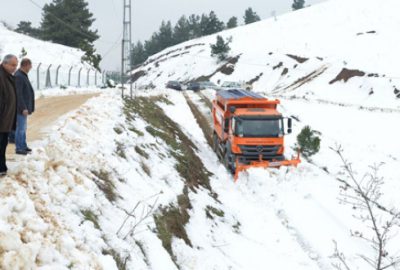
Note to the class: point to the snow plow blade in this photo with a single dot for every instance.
(265, 164)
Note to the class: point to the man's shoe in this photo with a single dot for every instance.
(21, 152)
(28, 150)
(2, 174)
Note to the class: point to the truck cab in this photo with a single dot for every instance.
(249, 130)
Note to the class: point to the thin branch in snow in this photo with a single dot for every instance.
(367, 192)
(146, 212)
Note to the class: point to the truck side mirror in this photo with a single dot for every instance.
(289, 126)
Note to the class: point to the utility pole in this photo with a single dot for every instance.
(126, 43)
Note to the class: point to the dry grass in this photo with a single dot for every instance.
(189, 165)
(201, 120)
(171, 221)
(90, 216)
(104, 182)
(141, 152)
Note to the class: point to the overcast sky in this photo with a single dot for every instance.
(146, 16)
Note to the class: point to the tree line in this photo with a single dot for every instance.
(69, 22)
(187, 28)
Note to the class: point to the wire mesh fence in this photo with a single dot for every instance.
(49, 76)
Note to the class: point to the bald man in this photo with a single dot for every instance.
(8, 106)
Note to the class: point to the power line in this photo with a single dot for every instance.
(76, 30)
(117, 42)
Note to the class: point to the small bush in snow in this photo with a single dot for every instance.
(221, 48)
(23, 53)
(308, 141)
(298, 4)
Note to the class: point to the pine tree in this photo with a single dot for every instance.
(194, 26)
(250, 16)
(139, 54)
(308, 141)
(25, 27)
(204, 24)
(181, 30)
(210, 24)
(215, 24)
(298, 4)
(221, 48)
(91, 56)
(165, 33)
(152, 46)
(232, 23)
(69, 22)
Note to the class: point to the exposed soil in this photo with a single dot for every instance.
(347, 74)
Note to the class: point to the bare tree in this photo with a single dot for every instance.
(139, 214)
(365, 195)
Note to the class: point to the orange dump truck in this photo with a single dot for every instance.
(249, 131)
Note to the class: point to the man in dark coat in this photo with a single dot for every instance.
(8, 105)
(25, 105)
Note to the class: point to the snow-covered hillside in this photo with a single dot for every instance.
(300, 53)
(39, 51)
(53, 64)
(133, 184)
(335, 68)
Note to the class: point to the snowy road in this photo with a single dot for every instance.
(48, 110)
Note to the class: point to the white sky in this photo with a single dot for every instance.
(147, 16)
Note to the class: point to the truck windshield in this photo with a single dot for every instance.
(259, 127)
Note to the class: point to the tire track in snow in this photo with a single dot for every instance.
(206, 100)
(301, 240)
(201, 119)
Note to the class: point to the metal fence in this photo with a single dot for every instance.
(48, 76)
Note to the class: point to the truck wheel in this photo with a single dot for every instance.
(215, 143)
(229, 161)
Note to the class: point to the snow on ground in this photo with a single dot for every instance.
(55, 216)
(53, 64)
(66, 205)
(39, 51)
(306, 199)
(56, 91)
(296, 58)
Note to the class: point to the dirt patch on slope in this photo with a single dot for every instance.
(299, 59)
(228, 68)
(255, 79)
(347, 74)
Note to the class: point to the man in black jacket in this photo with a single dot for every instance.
(8, 105)
(25, 105)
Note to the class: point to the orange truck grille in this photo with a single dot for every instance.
(252, 153)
